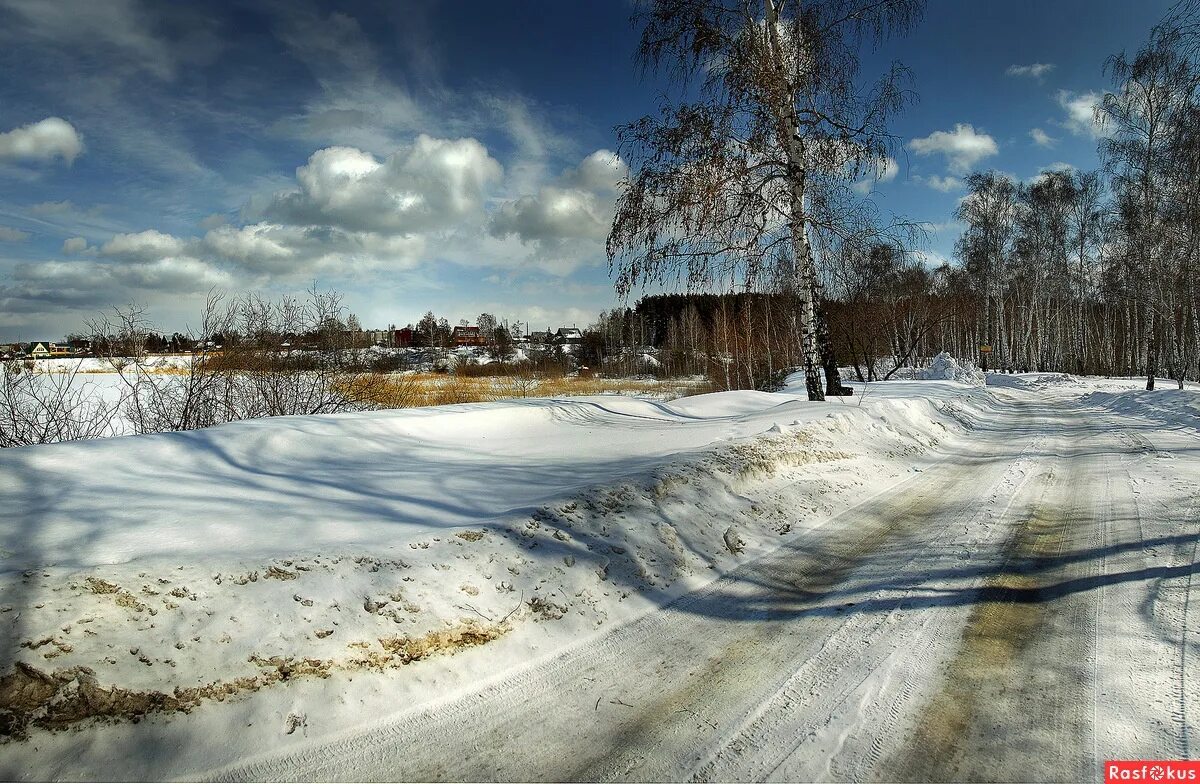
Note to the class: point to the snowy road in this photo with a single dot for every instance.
(1022, 610)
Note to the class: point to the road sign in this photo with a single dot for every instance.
(985, 349)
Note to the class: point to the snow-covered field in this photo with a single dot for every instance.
(182, 603)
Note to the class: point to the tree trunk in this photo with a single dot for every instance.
(788, 133)
(833, 379)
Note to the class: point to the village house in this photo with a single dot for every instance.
(466, 336)
(568, 336)
(44, 349)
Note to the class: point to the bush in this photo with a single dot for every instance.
(45, 408)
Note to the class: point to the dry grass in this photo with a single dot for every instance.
(57, 700)
(409, 390)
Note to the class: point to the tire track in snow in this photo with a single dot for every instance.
(1017, 699)
(1159, 611)
(818, 692)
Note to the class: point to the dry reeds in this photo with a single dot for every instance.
(407, 390)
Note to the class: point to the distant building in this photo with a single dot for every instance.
(39, 349)
(402, 338)
(466, 336)
(568, 335)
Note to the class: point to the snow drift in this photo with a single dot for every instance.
(226, 578)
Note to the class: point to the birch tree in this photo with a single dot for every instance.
(990, 212)
(756, 153)
(1152, 92)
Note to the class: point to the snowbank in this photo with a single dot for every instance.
(1179, 408)
(944, 367)
(1032, 380)
(261, 581)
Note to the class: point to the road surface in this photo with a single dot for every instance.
(1022, 610)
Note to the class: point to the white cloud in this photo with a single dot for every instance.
(92, 284)
(943, 184)
(117, 25)
(1057, 166)
(1041, 138)
(44, 140)
(349, 218)
(9, 234)
(149, 245)
(358, 105)
(962, 148)
(214, 220)
(1036, 70)
(600, 173)
(435, 183)
(74, 245)
(579, 206)
(296, 251)
(1080, 109)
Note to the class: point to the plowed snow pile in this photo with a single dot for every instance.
(1032, 380)
(944, 367)
(175, 602)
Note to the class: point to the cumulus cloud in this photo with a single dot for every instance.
(9, 234)
(1036, 70)
(565, 221)
(95, 284)
(143, 246)
(1080, 109)
(74, 245)
(578, 206)
(44, 140)
(1041, 138)
(962, 148)
(943, 184)
(296, 251)
(435, 183)
(349, 215)
(214, 220)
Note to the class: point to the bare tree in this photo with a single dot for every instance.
(990, 212)
(1153, 91)
(762, 159)
(43, 407)
(254, 371)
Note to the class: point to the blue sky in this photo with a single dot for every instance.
(445, 156)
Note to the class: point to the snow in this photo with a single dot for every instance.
(184, 559)
(944, 367)
(88, 365)
(1031, 381)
